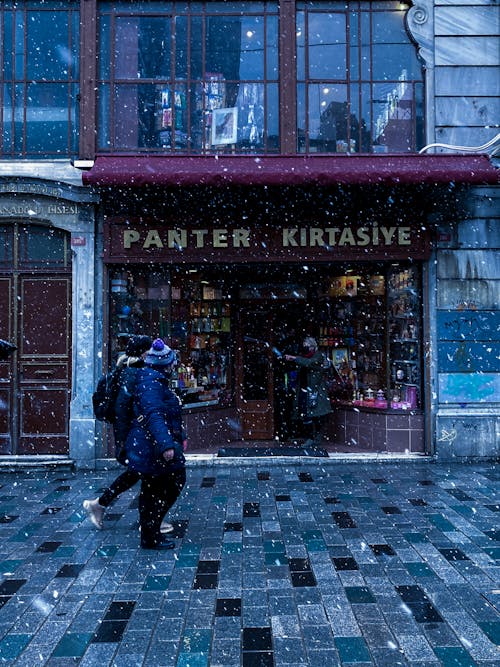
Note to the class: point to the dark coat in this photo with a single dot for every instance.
(156, 427)
(124, 409)
(312, 381)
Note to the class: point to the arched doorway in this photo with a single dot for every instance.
(35, 315)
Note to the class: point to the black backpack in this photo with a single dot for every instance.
(104, 397)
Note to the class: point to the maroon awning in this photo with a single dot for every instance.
(172, 171)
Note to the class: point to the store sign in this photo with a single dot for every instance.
(141, 242)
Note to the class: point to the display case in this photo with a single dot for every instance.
(371, 330)
(404, 338)
(353, 338)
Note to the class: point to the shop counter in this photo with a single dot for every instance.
(372, 429)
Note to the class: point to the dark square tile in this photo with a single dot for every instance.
(228, 607)
(207, 482)
(493, 534)
(392, 509)
(424, 612)
(305, 477)
(263, 476)
(208, 567)
(180, 528)
(8, 518)
(303, 579)
(299, 565)
(459, 494)
(48, 547)
(493, 508)
(282, 498)
(109, 631)
(331, 500)
(205, 581)
(426, 482)
(51, 510)
(412, 594)
(251, 509)
(418, 502)
(359, 595)
(11, 586)
(379, 480)
(120, 611)
(233, 526)
(345, 564)
(112, 516)
(70, 570)
(4, 599)
(454, 554)
(256, 639)
(64, 487)
(257, 659)
(385, 549)
(343, 520)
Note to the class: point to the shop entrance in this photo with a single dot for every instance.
(35, 299)
(265, 391)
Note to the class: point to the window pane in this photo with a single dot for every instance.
(47, 122)
(327, 46)
(48, 53)
(7, 46)
(105, 47)
(41, 245)
(329, 131)
(393, 117)
(391, 60)
(272, 60)
(388, 28)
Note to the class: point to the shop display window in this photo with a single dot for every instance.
(371, 331)
(190, 314)
(365, 317)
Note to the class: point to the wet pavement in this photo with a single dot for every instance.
(277, 562)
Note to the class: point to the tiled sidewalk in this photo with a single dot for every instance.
(277, 563)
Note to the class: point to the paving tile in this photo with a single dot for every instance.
(366, 563)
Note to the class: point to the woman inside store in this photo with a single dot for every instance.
(311, 402)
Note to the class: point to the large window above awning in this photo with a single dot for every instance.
(290, 170)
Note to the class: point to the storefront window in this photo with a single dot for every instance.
(200, 77)
(359, 82)
(39, 78)
(365, 317)
(193, 315)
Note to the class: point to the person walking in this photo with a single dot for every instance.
(127, 365)
(311, 402)
(155, 444)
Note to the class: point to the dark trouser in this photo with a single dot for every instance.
(158, 494)
(122, 483)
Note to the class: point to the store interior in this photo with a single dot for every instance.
(231, 326)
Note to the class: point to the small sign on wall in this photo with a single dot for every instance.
(78, 241)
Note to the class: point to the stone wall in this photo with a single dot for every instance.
(467, 71)
(468, 331)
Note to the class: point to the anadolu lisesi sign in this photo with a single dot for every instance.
(155, 242)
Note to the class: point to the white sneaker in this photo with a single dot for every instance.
(94, 511)
(166, 527)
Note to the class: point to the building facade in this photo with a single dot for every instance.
(235, 176)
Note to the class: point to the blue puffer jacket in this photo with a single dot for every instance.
(157, 425)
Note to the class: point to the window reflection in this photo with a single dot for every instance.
(369, 96)
(197, 64)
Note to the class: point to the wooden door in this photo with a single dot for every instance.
(35, 315)
(6, 367)
(254, 375)
(44, 360)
